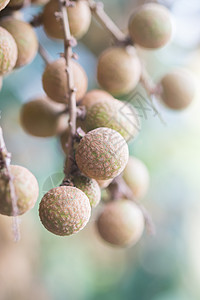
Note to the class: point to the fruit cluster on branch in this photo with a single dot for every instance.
(94, 127)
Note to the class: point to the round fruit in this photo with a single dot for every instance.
(64, 210)
(90, 187)
(8, 51)
(79, 19)
(26, 189)
(43, 118)
(121, 223)
(25, 38)
(136, 176)
(54, 80)
(104, 183)
(113, 114)
(94, 96)
(151, 26)
(16, 4)
(119, 70)
(178, 89)
(102, 154)
(3, 4)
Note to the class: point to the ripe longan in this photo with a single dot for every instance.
(79, 19)
(94, 96)
(25, 38)
(90, 187)
(178, 89)
(121, 223)
(150, 26)
(8, 51)
(102, 154)
(113, 114)
(43, 118)
(54, 80)
(64, 210)
(26, 189)
(3, 4)
(136, 176)
(118, 70)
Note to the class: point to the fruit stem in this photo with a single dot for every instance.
(5, 158)
(68, 43)
(44, 54)
(97, 10)
(119, 189)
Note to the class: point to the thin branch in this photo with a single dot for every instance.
(68, 43)
(98, 11)
(44, 54)
(5, 158)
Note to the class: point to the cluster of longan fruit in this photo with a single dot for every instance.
(100, 151)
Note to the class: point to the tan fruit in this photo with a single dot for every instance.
(79, 19)
(43, 118)
(90, 187)
(121, 223)
(3, 4)
(26, 189)
(94, 96)
(150, 26)
(25, 38)
(118, 70)
(102, 154)
(113, 114)
(16, 4)
(64, 210)
(8, 51)
(54, 80)
(104, 183)
(178, 89)
(136, 176)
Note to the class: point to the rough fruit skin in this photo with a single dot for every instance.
(136, 176)
(54, 80)
(94, 96)
(3, 4)
(104, 183)
(25, 38)
(113, 114)
(79, 19)
(26, 188)
(118, 70)
(102, 154)
(8, 51)
(90, 187)
(151, 26)
(64, 210)
(178, 89)
(43, 118)
(121, 223)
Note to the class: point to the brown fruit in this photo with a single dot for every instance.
(102, 154)
(16, 4)
(26, 189)
(136, 176)
(90, 187)
(54, 80)
(178, 89)
(104, 183)
(79, 19)
(113, 114)
(121, 223)
(3, 4)
(119, 70)
(25, 38)
(43, 118)
(64, 210)
(8, 51)
(150, 26)
(95, 96)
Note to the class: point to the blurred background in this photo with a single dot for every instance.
(81, 267)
